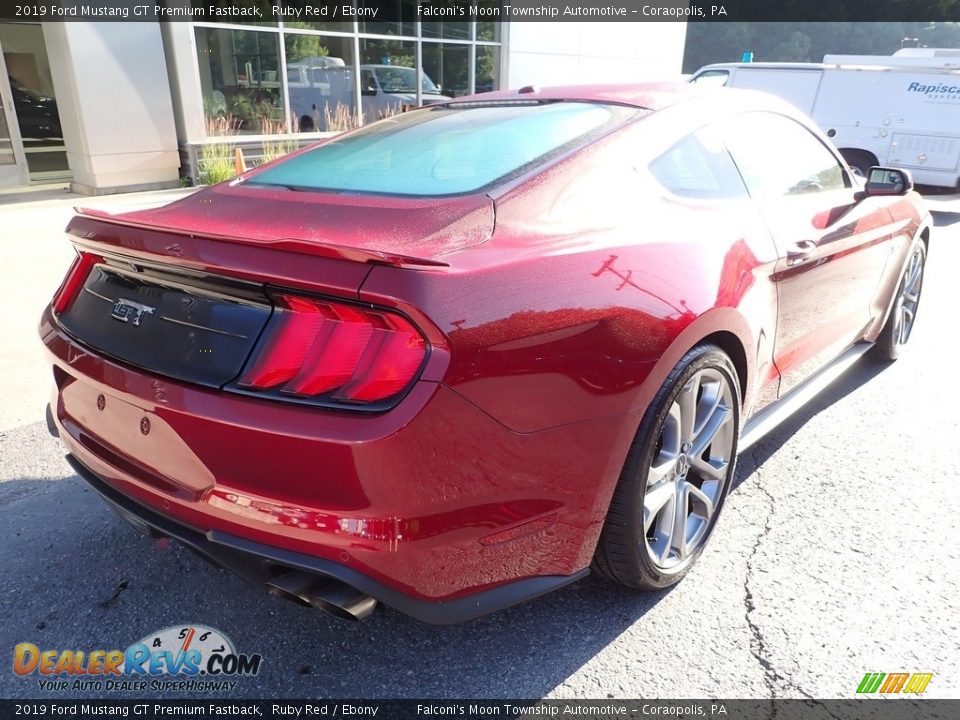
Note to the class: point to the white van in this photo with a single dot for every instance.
(325, 85)
(901, 110)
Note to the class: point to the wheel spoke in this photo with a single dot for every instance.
(654, 501)
(678, 538)
(720, 416)
(687, 400)
(700, 498)
(665, 524)
(712, 469)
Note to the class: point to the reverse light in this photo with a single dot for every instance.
(77, 274)
(331, 351)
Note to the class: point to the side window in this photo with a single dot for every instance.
(712, 78)
(779, 157)
(700, 167)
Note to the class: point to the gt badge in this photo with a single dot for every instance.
(129, 311)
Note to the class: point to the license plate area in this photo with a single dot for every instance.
(133, 439)
(200, 332)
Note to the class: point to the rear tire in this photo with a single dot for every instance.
(859, 160)
(679, 468)
(896, 333)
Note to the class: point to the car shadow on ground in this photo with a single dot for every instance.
(82, 579)
(85, 579)
(861, 373)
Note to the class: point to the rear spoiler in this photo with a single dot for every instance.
(297, 245)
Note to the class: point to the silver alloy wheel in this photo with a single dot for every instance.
(688, 475)
(909, 297)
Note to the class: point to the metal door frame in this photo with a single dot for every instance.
(16, 174)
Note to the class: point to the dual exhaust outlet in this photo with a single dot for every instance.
(323, 593)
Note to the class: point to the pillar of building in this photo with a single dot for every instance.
(115, 108)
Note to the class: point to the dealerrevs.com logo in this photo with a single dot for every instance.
(190, 658)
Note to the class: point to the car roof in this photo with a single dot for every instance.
(652, 96)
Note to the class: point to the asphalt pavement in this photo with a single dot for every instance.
(838, 552)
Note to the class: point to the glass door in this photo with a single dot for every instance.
(13, 164)
(34, 103)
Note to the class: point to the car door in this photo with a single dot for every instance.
(833, 246)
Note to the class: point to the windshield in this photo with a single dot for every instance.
(446, 150)
(403, 80)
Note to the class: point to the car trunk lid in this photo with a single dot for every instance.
(365, 228)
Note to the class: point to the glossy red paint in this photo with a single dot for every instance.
(554, 308)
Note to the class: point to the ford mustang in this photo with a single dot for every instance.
(459, 357)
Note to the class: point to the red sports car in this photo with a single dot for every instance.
(456, 358)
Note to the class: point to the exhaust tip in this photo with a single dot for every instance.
(324, 594)
(51, 425)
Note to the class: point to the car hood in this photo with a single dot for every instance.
(374, 225)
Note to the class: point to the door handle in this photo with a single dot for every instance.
(800, 251)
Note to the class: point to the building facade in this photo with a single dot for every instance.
(123, 106)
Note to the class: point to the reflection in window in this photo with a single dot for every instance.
(442, 29)
(489, 31)
(320, 82)
(699, 166)
(448, 66)
(239, 78)
(778, 156)
(249, 77)
(406, 10)
(210, 10)
(488, 68)
(447, 150)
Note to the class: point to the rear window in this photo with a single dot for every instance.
(446, 150)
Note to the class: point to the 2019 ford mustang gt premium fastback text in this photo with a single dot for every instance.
(453, 359)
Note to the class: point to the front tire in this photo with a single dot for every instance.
(903, 314)
(676, 476)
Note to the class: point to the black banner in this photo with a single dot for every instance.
(428, 11)
(873, 709)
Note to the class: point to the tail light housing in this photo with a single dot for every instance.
(77, 274)
(333, 353)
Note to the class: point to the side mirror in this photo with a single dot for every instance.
(888, 181)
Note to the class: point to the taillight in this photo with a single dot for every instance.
(334, 352)
(76, 276)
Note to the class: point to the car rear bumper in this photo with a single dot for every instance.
(433, 508)
(259, 563)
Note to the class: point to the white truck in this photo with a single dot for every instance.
(901, 110)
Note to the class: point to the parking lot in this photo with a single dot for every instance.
(838, 552)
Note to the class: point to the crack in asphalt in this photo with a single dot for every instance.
(110, 602)
(758, 645)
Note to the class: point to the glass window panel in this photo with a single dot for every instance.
(240, 78)
(320, 82)
(448, 66)
(446, 150)
(777, 156)
(405, 10)
(226, 11)
(488, 68)
(443, 29)
(699, 166)
(34, 97)
(487, 30)
(388, 78)
(330, 26)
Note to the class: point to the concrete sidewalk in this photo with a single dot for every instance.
(34, 255)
